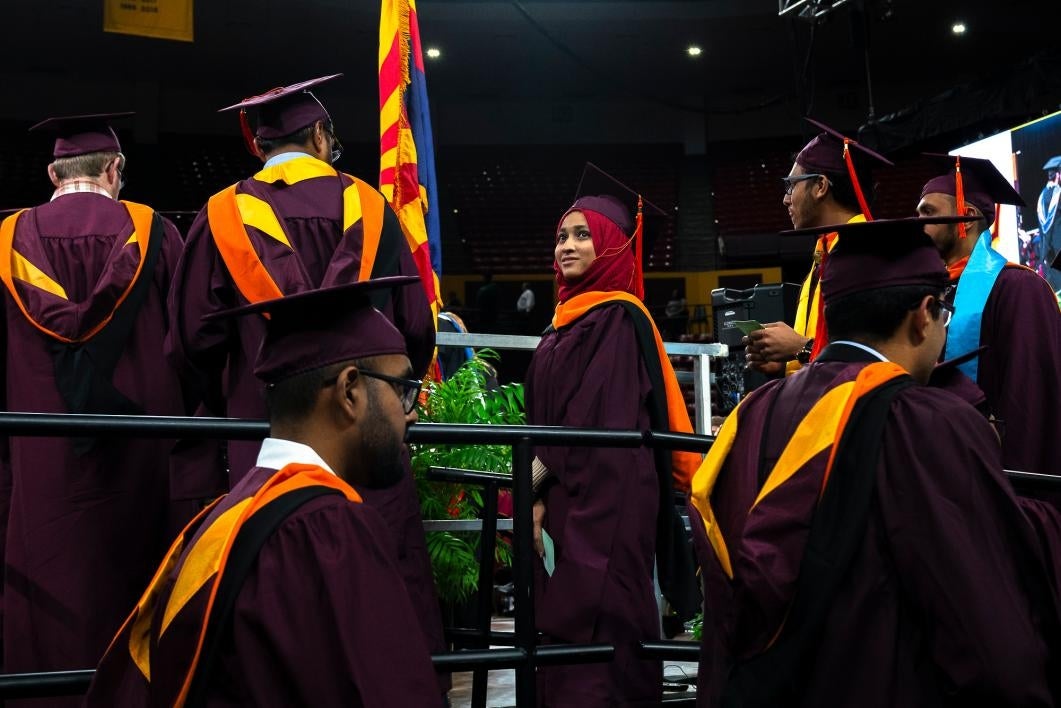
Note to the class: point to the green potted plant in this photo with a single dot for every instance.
(470, 395)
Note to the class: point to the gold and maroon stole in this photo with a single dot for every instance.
(195, 586)
(29, 279)
(230, 212)
(846, 427)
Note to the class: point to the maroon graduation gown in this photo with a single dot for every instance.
(1020, 375)
(1020, 371)
(601, 508)
(936, 609)
(322, 619)
(84, 532)
(220, 355)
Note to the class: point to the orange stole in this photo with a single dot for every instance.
(229, 213)
(141, 216)
(203, 567)
(683, 464)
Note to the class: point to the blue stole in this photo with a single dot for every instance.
(1047, 208)
(974, 287)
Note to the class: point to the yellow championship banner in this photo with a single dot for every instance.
(161, 19)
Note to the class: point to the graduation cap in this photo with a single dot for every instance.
(279, 112)
(885, 253)
(1053, 164)
(600, 192)
(972, 180)
(316, 328)
(831, 151)
(81, 135)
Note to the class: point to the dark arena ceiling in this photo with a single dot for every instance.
(528, 71)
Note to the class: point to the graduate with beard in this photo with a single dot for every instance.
(1006, 308)
(286, 590)
(296, 225)
(860, 544)
(609, 512)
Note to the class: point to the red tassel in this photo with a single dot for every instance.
(959, 195)
(639, 268)
(248, 134)
(995, 225)
(854, 183)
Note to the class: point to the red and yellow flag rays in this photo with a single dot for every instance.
(400, 174)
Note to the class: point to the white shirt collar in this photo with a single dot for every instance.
(277, 453)
(283, 157)
(79, 185)
(861, 346)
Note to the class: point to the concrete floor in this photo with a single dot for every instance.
(501, 685)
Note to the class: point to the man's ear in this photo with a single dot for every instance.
(921, 320)
(258, 150)
(821, 188)
(350, 393)
(52, 176)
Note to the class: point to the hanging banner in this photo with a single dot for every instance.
(161, 19)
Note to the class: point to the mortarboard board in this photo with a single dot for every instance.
(81, 135)
(972, 180)
(316, 328)
(882, 254)
(600, 192)
(281, 111)
(830, 151)
(1054, 163)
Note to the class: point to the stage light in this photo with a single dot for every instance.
(434, 53)
(694, 51)
(958, 28)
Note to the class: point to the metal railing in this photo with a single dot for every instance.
(523, 657)
(699, 377)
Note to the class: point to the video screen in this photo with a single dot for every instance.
(1030, 157)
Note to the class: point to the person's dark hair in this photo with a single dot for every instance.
(874, 315)
(299, 137)
(90, 165)
(293, 399)
(843, 190)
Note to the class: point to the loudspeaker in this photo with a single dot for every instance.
(763, 303)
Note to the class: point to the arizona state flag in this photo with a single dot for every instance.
(407, 157)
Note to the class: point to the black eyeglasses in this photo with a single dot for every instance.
(791, 182)
(407, 390)
(337, 147)
(946, 311)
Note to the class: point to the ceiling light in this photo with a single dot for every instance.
(958, 28)
(434, 53)
(694, 51)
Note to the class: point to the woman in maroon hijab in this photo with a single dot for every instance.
(607, 513)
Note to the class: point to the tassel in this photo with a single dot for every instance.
(996, 225)
(854, 183)
(639, 268)
(959, 196)
(248, 134)
(821, 333)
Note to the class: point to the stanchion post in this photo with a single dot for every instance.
(487, 539)
(523, 567)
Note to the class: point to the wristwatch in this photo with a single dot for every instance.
(803, 355)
